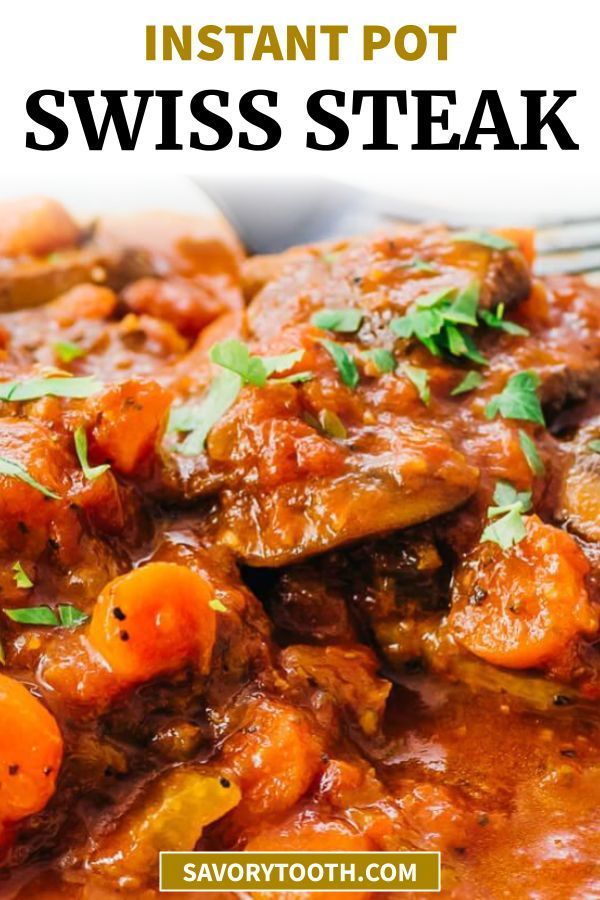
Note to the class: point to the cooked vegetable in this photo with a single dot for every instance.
(31, 751)
(155, 619)
(524, 607)
(171, 815)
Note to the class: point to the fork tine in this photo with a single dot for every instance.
(573, 236)
(572, 262)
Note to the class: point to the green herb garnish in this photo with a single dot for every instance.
(344, 362)
(67, 351)
(14, 470)
(530, 453)
(484, 239)
(419, 378)
(33, 615)
(594, 446)
(421, 265)
(496, 320)
(81, 448)
(508, 527)
(518, 399)
(382, 359)
(22, 579)
(346, 320)
(217, 605)
(35, 388)
(436, 319)
(198, 419)
(68, 616)
(236, 357)
(471, 381)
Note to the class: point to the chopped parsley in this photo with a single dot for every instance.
(239, 368)
(217, 605)
(235, 356)
(382, 359)
(33, 615)
(507, 526)
(594, 446)
(471, 381)
(518, 399)
(35, 388)
(344, 362)
(67, 351)
(530, 453)
(421, 265)
(81, 448)
(496, 320)
(436, 319)
(22, 579)
(15, 470)
(484, 239)
(68, 616)
(199, 418)
(345, 319)
(419, 378)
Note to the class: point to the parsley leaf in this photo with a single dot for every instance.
(33, 615)
(198, 419)
(419, 378)
(507, 527)
(346, 319)
(235, 356)
(81, 448)
(344, 362)
(436, 319)
(34, 388)
(22, 579)
(70, 616)
(496, 320)
(67, 351)
(281, 363)
(471, 381)
(421, 265)
(382, 359)
(484, 239)
(463, 310)
(518, 399)
(14, 470)
(594, 446)
(530, 453)
(217, 605)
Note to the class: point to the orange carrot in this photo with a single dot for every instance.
(31, 750)
(154, 620)
(523, 607)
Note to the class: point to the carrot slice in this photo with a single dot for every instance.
(31, 750)
(523, 607)
(154, 620)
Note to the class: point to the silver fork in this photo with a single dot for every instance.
(271, 215)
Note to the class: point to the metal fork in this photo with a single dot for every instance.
(271, 215)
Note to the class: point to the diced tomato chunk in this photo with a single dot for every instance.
(130, 418)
